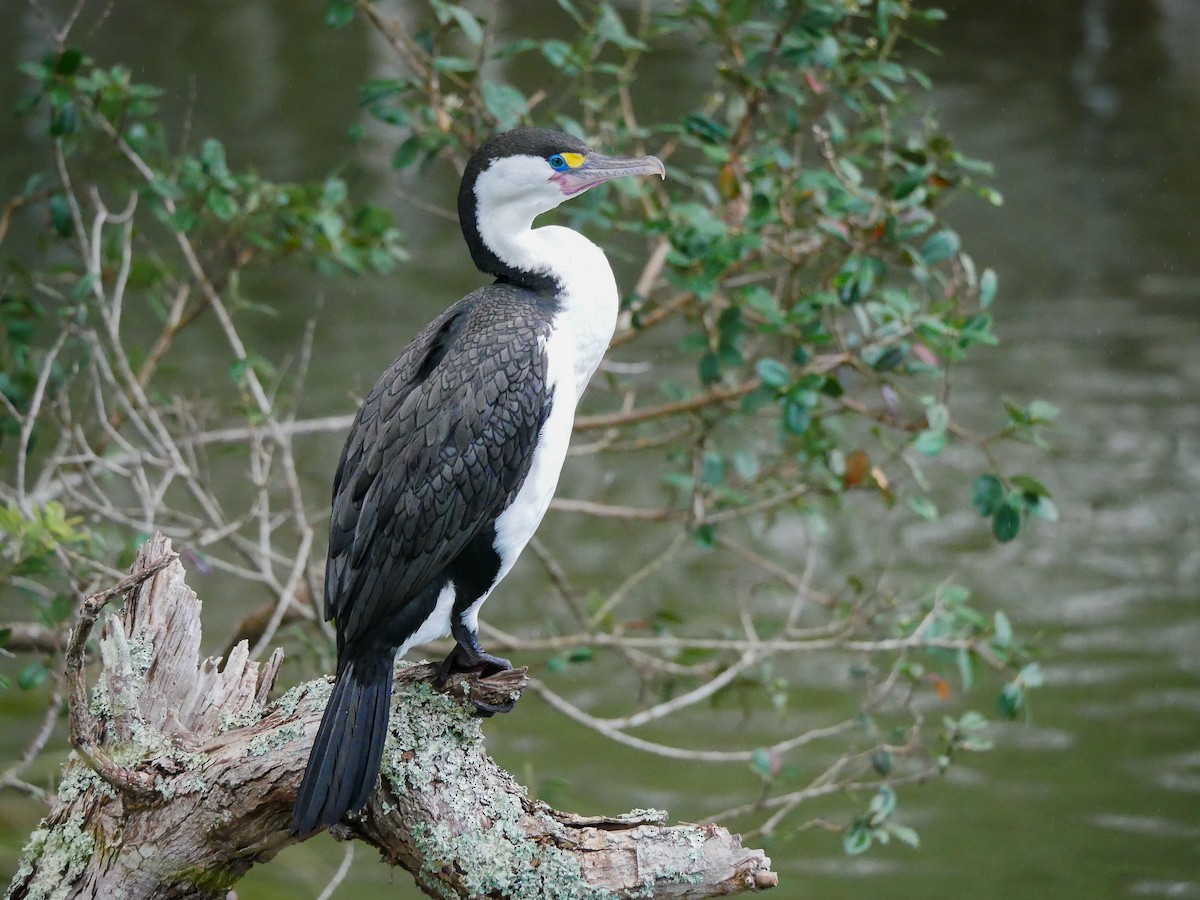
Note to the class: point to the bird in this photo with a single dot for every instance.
(454, 456)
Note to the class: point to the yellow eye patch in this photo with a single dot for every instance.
(574, 160)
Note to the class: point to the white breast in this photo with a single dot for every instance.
(581, 333)
(589, 297)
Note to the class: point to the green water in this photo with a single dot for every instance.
(1091, 112)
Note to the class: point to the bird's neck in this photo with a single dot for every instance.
(503, 244)
(561, 262)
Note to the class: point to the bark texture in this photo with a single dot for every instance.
(184, 775)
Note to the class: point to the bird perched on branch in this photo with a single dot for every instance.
(455, 454)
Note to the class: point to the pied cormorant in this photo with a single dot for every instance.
(453, 458)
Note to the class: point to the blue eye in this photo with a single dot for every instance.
(557, 163)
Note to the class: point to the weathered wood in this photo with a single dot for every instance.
(184, 777)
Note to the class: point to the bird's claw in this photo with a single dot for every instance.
(468, 656)
(485, 710)
(470, 659)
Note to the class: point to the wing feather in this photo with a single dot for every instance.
(441, 444)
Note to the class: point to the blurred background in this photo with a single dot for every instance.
(1090, 111)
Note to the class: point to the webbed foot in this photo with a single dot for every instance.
(468, 656)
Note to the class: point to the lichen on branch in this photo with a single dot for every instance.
(184, 777)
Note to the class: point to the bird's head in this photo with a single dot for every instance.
(520, 174)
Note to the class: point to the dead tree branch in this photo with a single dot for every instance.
(184, 776)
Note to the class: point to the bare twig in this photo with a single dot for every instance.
(30, 418)
(12, 775)
(33, 637)
(720, 756)
(340, 875)
(609, 511)
(617, 597)
(712, 397)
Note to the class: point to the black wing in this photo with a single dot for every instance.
(438, 449)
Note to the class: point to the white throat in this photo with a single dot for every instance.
(587, 289)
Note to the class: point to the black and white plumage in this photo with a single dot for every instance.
(455, 454)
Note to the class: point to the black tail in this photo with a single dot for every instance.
(346, 755)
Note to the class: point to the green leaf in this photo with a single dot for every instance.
(406, 154)
(63, 119)
(84, 286)
(69, 62)
(923, 507)
(857, 839)
(764, 303)
(1011, 699)
(378, 89)
(883, 804)
(60, 215)
(1004, 632)
(334, 192)
(760, 763)
(773, 373)
(223, 206)
(969, 732)
(883, 762)
(987, 493)
(681, 481)
(504, 102)
(905, 185)
(183, 219)
(454, 64)
(212, 154)
(930, 442)
(31, 676)
(470, 26)
(990, 195)
(339, 13)
(1041, 411)
(938, 416)
(966, 667)
(758, 398)
(706, 128)
(571, 10)
(795, 417)
(827, 51)
(987, 287)
(1032, 676)
(61, 609)
(850, 171)
(905, 835)
(1044, 509)
(746, 464)
(889, 359)
(516, 48)
(954, 594)
(558, 53)
(610, 28)
(581, 654)
(1006, 522)
(940, 247)
(712, 469)
(1030, 485)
